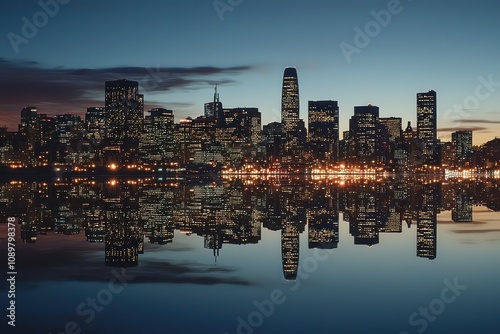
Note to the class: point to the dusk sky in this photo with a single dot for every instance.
(178, 50)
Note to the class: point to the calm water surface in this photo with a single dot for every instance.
(288, 256)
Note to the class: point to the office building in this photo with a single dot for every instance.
(323, 134)
(427, 127)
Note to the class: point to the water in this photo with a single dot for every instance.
(275, 256)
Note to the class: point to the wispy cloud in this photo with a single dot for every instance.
(477, 121)
(64, 90)
(476, 231)
(463, 128)
(84, 262)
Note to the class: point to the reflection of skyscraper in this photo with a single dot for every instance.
(29, 132)
(462, 210)
(324, 129)
(427, 126)
(156, 211)
(427, 220)
(324, 230)
(365, 219)
(124, 237)
(290, 250)
(28, 233)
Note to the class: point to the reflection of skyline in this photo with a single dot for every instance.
(427, 220)
(125, 214)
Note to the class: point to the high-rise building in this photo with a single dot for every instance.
(29, 120)
(390, 133)
(462, 142)
(29, 131)
(363, 129)
(67, 136)
(427, 127)
(124, 108)
(394, 127)
(273, 137)
(95, 123)
(290, 106)
(185, 141)
(157, 141)
(44, 151)
(323, 134)
(214, 108)
(244, 123)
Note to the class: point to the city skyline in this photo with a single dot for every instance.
(122, 137)
(179, 72)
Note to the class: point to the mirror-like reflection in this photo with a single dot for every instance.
(127, 214)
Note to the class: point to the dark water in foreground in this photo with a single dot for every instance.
(294, 256)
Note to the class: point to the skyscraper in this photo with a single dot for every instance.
(363, 129)
(394, 127)
(157, 141)
(324, 130)
(290, 101)
(462, 142)
(68, 130)
(29, 130)
(124, 110)
(214, 108)
(244, 124)
(427, 127)
(95, 122)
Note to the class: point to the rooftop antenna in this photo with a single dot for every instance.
(216, 103)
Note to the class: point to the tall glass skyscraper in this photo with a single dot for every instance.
(462, 143)
(363, 129)
(324, 129)
(427, 126)
(124, 108)
(290, 101)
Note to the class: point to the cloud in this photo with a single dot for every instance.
(469, 128)
(476, 231)
(71, 90)
(477, 121)
(84, 262)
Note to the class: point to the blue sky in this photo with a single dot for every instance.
(440, 45)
